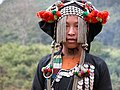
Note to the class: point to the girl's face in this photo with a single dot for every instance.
(71, 32)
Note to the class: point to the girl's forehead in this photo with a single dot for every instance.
(72, 18)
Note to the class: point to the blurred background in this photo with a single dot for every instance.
(22, 43)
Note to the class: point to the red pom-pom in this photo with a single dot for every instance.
(45, 70)
(100, 15)
(105, 13)
(88, 71)
(40, 14)
(89, 17)
(47, 16)
(105, 16)
(49, 70)
(58, 13)
(94, 20)
(96, 16)
(94, 13)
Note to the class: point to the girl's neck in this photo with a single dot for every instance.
(71, 52)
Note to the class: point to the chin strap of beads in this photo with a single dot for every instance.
(76, 78)
(48, 70)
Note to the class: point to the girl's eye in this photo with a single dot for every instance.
(67, 25)
(76, 25)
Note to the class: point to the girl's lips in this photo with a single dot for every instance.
(71, 40)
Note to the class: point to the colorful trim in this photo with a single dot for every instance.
(89, 14)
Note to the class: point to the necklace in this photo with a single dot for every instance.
(78, 70)
(85, 72)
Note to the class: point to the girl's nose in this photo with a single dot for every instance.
(71, 31)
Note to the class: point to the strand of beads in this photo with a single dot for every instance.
(83, 73)
(47, 71)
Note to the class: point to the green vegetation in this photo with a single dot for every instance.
(18, 22)
(22, 43)
(112, 58)
(18, 64)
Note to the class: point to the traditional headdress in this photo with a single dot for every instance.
(90, 20)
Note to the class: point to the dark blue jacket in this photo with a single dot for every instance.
(101, 82)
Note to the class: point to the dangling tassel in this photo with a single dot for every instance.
(82, 33)
(76, 78)
(49, 84)
(51, 63)
(53, 48)
(63, 25)
(58, 32)
(85, 45)
(82, 58)
(85, 32)
(75, 82)
(61, 30)
(82, 29)
(60, 37)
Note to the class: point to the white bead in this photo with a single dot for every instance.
(57, 80)
(86, 65)
(79, 87)
(92, 67)
(80, 82)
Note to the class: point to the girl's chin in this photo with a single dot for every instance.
(72, 46)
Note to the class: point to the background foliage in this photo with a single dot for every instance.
(22, 43)
(18, 64)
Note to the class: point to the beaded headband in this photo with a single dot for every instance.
(71, 10)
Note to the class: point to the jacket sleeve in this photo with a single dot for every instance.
(104, 78)
(39, 80)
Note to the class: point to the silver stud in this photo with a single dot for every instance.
(80, 82)
(92, 67)
(57, 80)
(79, 87)
(86, 65)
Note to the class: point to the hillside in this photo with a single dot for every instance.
(19, 24)
(22, 43)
